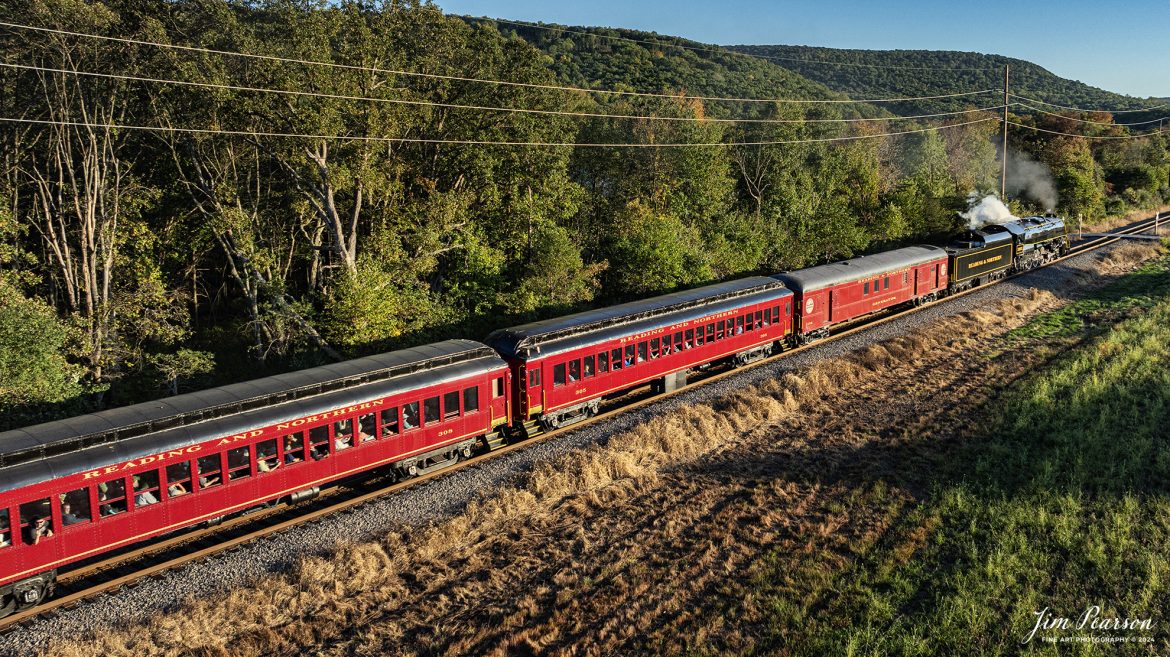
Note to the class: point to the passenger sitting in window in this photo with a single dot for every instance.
(67, 517)
(145, 498)
(40, 528)
(318, 452)
(363, 436)
(176, 489)
(343, 442)
(208, 480)
(290, 457)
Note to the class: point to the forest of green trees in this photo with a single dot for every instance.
(158, 237)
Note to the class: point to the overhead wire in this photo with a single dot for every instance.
(479, 142)
(520, 110)
(457, 78)
(1081, 109)
(1141, 135)
(1101, 123)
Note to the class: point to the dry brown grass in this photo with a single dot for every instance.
(1118, 221)
(1125, 257)
(611, 546)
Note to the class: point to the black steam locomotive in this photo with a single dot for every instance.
(994, 251)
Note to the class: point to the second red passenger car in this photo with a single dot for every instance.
(842, 291)
(562, 368)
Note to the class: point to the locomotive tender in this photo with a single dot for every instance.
(74, 489)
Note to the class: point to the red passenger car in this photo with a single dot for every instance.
(76, 488)
(562, 368)
(842, 291)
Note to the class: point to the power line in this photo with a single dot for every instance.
(456, 78)
(1070, 134)
(1037, 109)
(720, 50)
(1081, 109)
(476, 142)
(426, 103)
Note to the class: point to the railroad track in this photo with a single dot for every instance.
(126, 569)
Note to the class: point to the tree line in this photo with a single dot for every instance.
(208, 249)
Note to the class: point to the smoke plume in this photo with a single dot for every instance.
(1031, 179)
(986, 210)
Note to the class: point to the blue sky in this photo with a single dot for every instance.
(1123, 47)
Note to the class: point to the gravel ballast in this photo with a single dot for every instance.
(447, 495)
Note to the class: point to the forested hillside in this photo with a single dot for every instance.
(173, 218)
(886, 73)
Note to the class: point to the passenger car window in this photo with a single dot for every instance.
(36, 521)
(390, 422)
(587, 365)
(498, 391)
(266, 458)
(210, 471)
(886, 283)
(179, 478)
(451, 405)
(239, 463)
(603, 362)
(559, 375)
(700, 337)
(112, 497)
(575, 370)
(690, 338)
(319, 443)
(616, 360)
(641, 352)
(410, 416)
(366, 428)
(533, 378)
(471, 399)
(145, 488)
(666, 350)
(866, 290)
(629, 355)
(431, 409)
(294, 447)
(655, 346)
(75, 507)
(343, 434)
(5, 529)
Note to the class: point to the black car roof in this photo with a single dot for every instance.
(836, 273)
(564, 333)
(90, 441)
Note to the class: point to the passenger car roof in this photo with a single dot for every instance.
(539, 337)
(816, 278)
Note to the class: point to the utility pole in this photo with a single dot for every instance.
(1003, 175)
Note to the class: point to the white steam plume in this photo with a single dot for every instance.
(986, 210)
(1031, 179)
